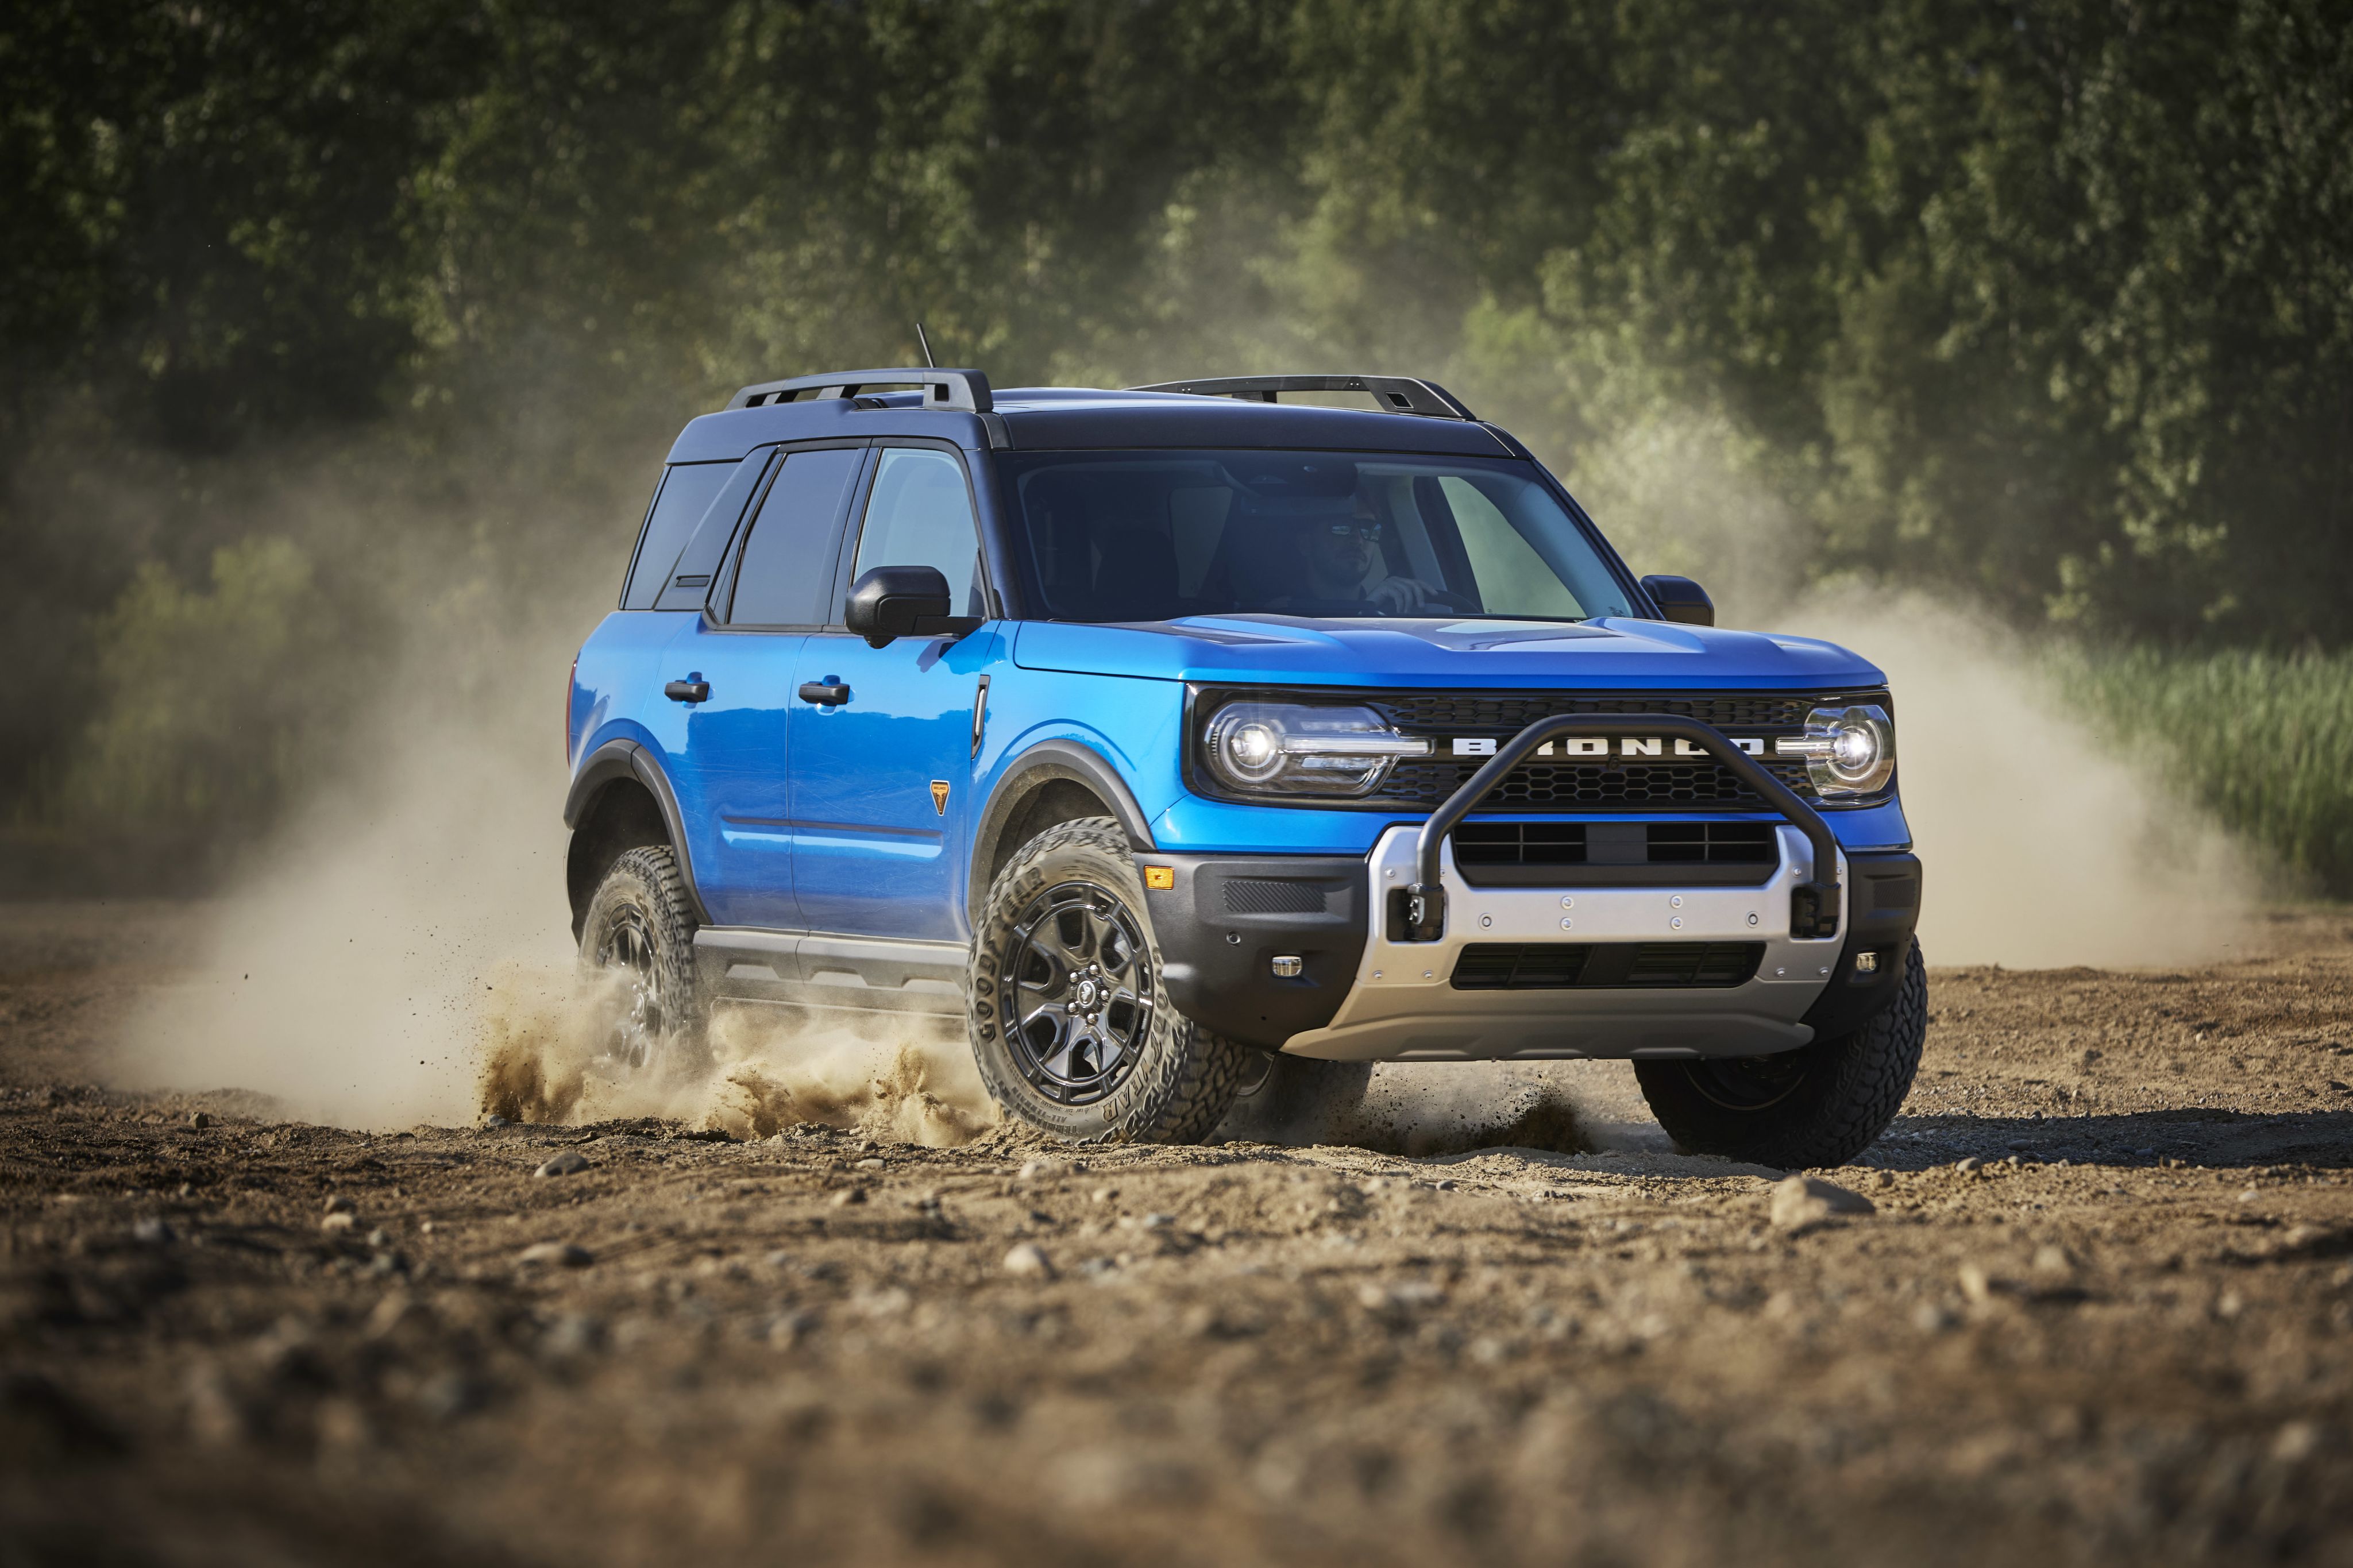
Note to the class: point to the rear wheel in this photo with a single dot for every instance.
(1070, 1025)
(1817, 1106)
(636, 958)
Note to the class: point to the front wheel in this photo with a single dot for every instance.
(1071, 1026)
(1818, 1105)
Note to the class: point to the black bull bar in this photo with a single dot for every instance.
(1813, 904)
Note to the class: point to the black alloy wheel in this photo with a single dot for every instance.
(1076, 993)
(626, 957)
(1070, 1021)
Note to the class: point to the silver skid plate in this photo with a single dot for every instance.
(1405, 1007)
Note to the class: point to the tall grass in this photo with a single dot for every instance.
(2263, 741)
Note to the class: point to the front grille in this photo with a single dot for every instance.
(1616, 844)
(1714, 843)
(1520, 844)
(1601, 783)
(1693, 785)
(1594, 966)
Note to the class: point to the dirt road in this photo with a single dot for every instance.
(2103, 1311)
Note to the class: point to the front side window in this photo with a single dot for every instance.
(786, 573)
(1148, 536)
(920, 514)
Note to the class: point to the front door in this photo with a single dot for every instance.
(733, 789)
(881, 777)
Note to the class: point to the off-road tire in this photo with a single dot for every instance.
(1182, 1077)
(1836, 1096)
(643, 894)
(1296, 1100)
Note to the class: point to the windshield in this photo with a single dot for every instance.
(1152, 536)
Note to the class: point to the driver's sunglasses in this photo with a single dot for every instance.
(1360, 528)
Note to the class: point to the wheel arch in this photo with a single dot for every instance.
(1054, 781)
(620, 800)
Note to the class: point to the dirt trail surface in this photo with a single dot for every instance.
(2101, 1310)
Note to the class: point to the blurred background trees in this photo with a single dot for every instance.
(329, 328)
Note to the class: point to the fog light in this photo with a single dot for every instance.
(1287, 967)
(1866, 963)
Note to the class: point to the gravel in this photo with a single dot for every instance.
(560, 1254)
(1801, 1203)
(1029, 1260)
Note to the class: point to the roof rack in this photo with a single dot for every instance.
(1395, 394)
(965, 389)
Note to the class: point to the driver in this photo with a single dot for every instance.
(1341, 556)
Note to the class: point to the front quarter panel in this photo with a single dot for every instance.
(1135, 726)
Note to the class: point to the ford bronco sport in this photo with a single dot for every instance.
(1198, 750)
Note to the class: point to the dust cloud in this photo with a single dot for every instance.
(347, 974)
(759, 1070)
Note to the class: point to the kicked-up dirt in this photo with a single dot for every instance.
(2100, 1309)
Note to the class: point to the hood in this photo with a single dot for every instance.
(1281, 650)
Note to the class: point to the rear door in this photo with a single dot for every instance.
(881, 779)
(770, 592)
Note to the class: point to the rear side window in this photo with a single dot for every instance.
(686, 492)
(787, 566)
(920, 515)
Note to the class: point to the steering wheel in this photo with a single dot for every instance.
(1459, 603)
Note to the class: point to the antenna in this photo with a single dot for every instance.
(929, 362)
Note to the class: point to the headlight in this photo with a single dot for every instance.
(1848, 751)
(1272, 748)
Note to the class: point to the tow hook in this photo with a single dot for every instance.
(1416, 914)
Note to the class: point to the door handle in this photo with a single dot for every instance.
(696, 691)
(825, 693)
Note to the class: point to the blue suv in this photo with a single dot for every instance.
(1198, 750)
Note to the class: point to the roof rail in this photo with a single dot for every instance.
(965, 389)
(1395, 394)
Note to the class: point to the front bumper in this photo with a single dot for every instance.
(1407, 1002)
(1360, 995)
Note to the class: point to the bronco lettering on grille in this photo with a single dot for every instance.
(1598, 746)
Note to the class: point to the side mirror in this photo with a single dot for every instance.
(892, 601)
(1681, 599)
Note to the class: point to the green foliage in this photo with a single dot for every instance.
(2265, 741)
(2052, 303)
(216, 705)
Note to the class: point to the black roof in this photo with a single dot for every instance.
(959, 405)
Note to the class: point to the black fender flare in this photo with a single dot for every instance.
(626, 759)
(1041, 765)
